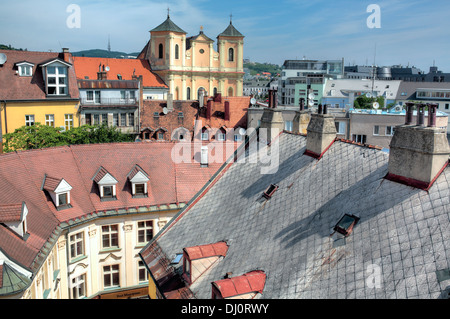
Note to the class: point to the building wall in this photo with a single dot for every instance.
(16, 111)
(55, 279)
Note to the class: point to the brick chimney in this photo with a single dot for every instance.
(101, 74)
(66, 55)
(321, 134)
(170, 102)
(209, 109)
(418, 154)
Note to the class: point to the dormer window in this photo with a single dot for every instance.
(106, 184)
(221, 134)
(25, 68)
(59, 191)
(139, 181)
(56, 77)
(205, 134)
(14, 217)
(197, 259)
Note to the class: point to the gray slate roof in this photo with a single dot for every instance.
(168, 25)
(230, 31)
(402, 230)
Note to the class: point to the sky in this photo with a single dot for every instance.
(409, 32)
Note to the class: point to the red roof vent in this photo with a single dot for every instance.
(246, 286)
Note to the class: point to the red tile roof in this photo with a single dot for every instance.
(125, 67)
(205, 251)
(51, 183)
(238, 112)
(10, 213)
(29, 87)
(22, 174)
(253, 281)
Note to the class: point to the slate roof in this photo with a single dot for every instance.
(231, 31)
(402, 230)
(168, 25)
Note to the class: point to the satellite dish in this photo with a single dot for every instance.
(2, 58)
(253, 101)
(165, 110)
(376, 105)
(107, 68)
(242, 131)
(311, 103)
(311, 96)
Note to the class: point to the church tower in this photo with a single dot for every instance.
(190, 64)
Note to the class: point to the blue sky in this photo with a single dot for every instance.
(412, 32)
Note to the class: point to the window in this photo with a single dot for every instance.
(88, 119)
(205, 136)
(359, 138)
(123, 119)
(68, 121)
(221, 135)
(77, 245)
(231, 54)
(188, 93)
(270, 191)
(116, 119)
(376, 130)
(389, 130)
(25, 70)
(130, 119)
(139, 189)
(110, 236)
(123, 95)
(180, 117)
(56, 80)
(145, 231)
(104, 119)
(79, 287)
(177, 53)
(143, 274)
(50, 120)
(288, 126)
(340, 127)
(93, 96)
(108, 191)
(237, 137)
(132, 95)
(160, 51)
(346, 224)
(63, 199)
(160, 135)
(29, 120)
(96, 119)
(187, 267)
(111, 276)
(447, 106)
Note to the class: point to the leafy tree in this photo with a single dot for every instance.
(364, 102)
(42, 136)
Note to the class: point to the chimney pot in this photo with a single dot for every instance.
(325, 109)
(302, 104)
(227, 110)
(420, 115)
(432, 115)
(319, 110)
(409, 113)
(208, 109)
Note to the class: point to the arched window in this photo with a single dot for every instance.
(177, 96)
(230, 91)
(188, 93)
(160, 51)
(177, 53)
(215, 91)
(230, 54)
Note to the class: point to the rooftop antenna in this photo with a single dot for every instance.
(168, 12)
(373, 68)
(109, 43)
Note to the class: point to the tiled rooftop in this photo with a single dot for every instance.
(403, 231)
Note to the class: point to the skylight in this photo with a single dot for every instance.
(346, 224)
(270, 191)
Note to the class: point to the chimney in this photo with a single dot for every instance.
(66, 54)
(170, 102)
(270, 99)
(321, 134)
(218, 97)
(227, 110)
(272, 121)
(201, 97)
(101, 74)
(418, 154)
(208, 109)
(301, 121)
(275, 99)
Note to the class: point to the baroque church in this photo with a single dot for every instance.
(190, 64)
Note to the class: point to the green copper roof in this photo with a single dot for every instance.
(13, 281)
(168, 25)
(231, 32)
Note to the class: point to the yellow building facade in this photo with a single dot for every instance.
(37, 87)
(188, 64)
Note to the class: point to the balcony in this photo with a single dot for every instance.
(109, 102)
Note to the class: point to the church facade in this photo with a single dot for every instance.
(190, 64)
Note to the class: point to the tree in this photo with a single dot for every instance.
(42, 136)
(364, 102)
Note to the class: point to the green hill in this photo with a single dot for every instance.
(258, 68)
(98, 53)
